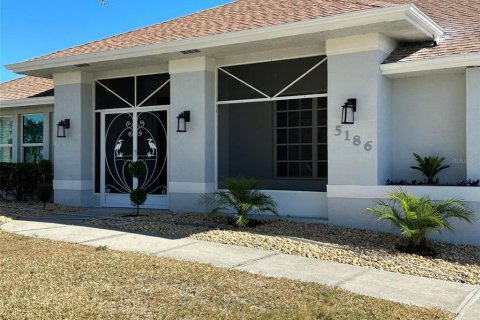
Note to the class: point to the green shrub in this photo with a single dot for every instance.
(18, 180)
(429, 167)
(137, 169)
(417, 217)
(44, 193)
(21, 180)
(7, 173)
(45, 169)
(138, 197)
(242, 197)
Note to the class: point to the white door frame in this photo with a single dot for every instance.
(153, 201)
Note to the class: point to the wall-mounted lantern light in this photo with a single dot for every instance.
(348, 111)
(61, 126)
(183, 118)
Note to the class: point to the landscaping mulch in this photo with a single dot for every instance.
(458, 263)
(34, 209)
(43, 279)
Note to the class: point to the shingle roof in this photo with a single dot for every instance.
(235, 16)
(460, 19)
(26, 87)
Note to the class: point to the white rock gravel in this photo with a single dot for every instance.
(459, 263)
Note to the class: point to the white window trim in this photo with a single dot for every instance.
(9, 144)
(23, 145)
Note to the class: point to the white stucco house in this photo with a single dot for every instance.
(262, 84)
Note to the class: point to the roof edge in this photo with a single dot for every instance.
(397, 69)
(407, 12)
(26, 102)
(425, 23)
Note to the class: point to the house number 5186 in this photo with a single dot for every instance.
(356, 140)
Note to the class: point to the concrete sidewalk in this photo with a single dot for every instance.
(462, 299)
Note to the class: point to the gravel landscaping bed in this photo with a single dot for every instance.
(459, 263)
(34, 209)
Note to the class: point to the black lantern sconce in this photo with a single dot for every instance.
(183, 118)
(61, 126)
(348, 111)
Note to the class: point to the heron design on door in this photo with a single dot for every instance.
(130, 137)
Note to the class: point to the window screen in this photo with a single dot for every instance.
(128, 92)
(275, 78)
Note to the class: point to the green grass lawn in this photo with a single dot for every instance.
(42, 279)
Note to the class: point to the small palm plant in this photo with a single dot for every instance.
(429, 167)
(241, 196)
(417, 217)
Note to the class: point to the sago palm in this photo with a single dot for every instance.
(429, 166)
(242, 197)
(416, 217)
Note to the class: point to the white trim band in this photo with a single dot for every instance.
(381, 192)
(450, 62)
(72, 184)
(190, 187)
(360, 43)
(27, 102)
(191, 65)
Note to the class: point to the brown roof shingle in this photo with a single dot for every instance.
(460, 19)
(26, 87)
(236, 16)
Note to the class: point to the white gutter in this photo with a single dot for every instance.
(27, 102)
(450, 62)
(409, 13)
(423, 22)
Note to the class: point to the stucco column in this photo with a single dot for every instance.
(359, 153)
(73, 154)
(192, 153)
(472, 127)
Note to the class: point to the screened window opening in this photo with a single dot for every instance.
(6, 127)
(130, 92)
(32, 138)
(275, 79)
(272, 123)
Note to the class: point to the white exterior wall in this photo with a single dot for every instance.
(73, 155)
(192, 153)
(354, 72)
(429, 119)
(472, 119)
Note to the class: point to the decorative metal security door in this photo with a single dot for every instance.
(135, 136)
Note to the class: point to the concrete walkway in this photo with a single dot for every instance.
(462, 299)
